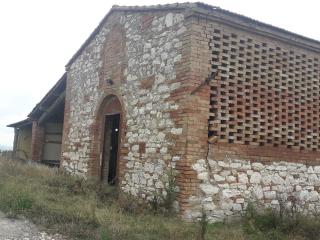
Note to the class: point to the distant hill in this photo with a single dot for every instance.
(4, 147)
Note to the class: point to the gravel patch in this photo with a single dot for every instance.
(22, 229)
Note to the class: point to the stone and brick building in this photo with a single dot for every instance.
(230, 103)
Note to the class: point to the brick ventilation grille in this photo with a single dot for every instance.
(264, 95)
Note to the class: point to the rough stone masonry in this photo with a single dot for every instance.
(147, 58)
(230, 103)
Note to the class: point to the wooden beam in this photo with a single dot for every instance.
(47, 112)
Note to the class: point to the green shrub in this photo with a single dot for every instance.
(168, 199)
(260, 222)
(163, 202)
(280, 224)
(104, 236)
(14, 201)
(203, 225)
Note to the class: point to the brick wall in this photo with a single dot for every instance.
(37, 140)
(194, 115)
(264, 111)
(267, 94)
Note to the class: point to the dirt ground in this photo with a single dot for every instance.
(22, 229)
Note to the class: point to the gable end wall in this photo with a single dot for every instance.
(151, 83)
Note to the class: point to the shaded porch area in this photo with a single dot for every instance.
(39, 137)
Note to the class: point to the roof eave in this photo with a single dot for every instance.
(51, 92)
(251, 25)
(22, 123)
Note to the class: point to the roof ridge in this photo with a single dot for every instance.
(156, 6)
(205, 8)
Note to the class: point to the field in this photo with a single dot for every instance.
(88, 210)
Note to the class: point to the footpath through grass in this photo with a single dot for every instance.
(86, 210)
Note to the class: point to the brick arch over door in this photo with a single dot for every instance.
(109, 105)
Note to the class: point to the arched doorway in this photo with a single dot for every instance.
(109, 125)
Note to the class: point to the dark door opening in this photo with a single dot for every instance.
(110, 149)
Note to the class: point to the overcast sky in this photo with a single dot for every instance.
(38, 37)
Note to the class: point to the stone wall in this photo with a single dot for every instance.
(229, 184)
(145, 83)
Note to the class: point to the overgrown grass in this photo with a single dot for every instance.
(88, 210)
(281, 224)
(85, 209)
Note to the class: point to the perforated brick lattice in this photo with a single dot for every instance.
(264, 95)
